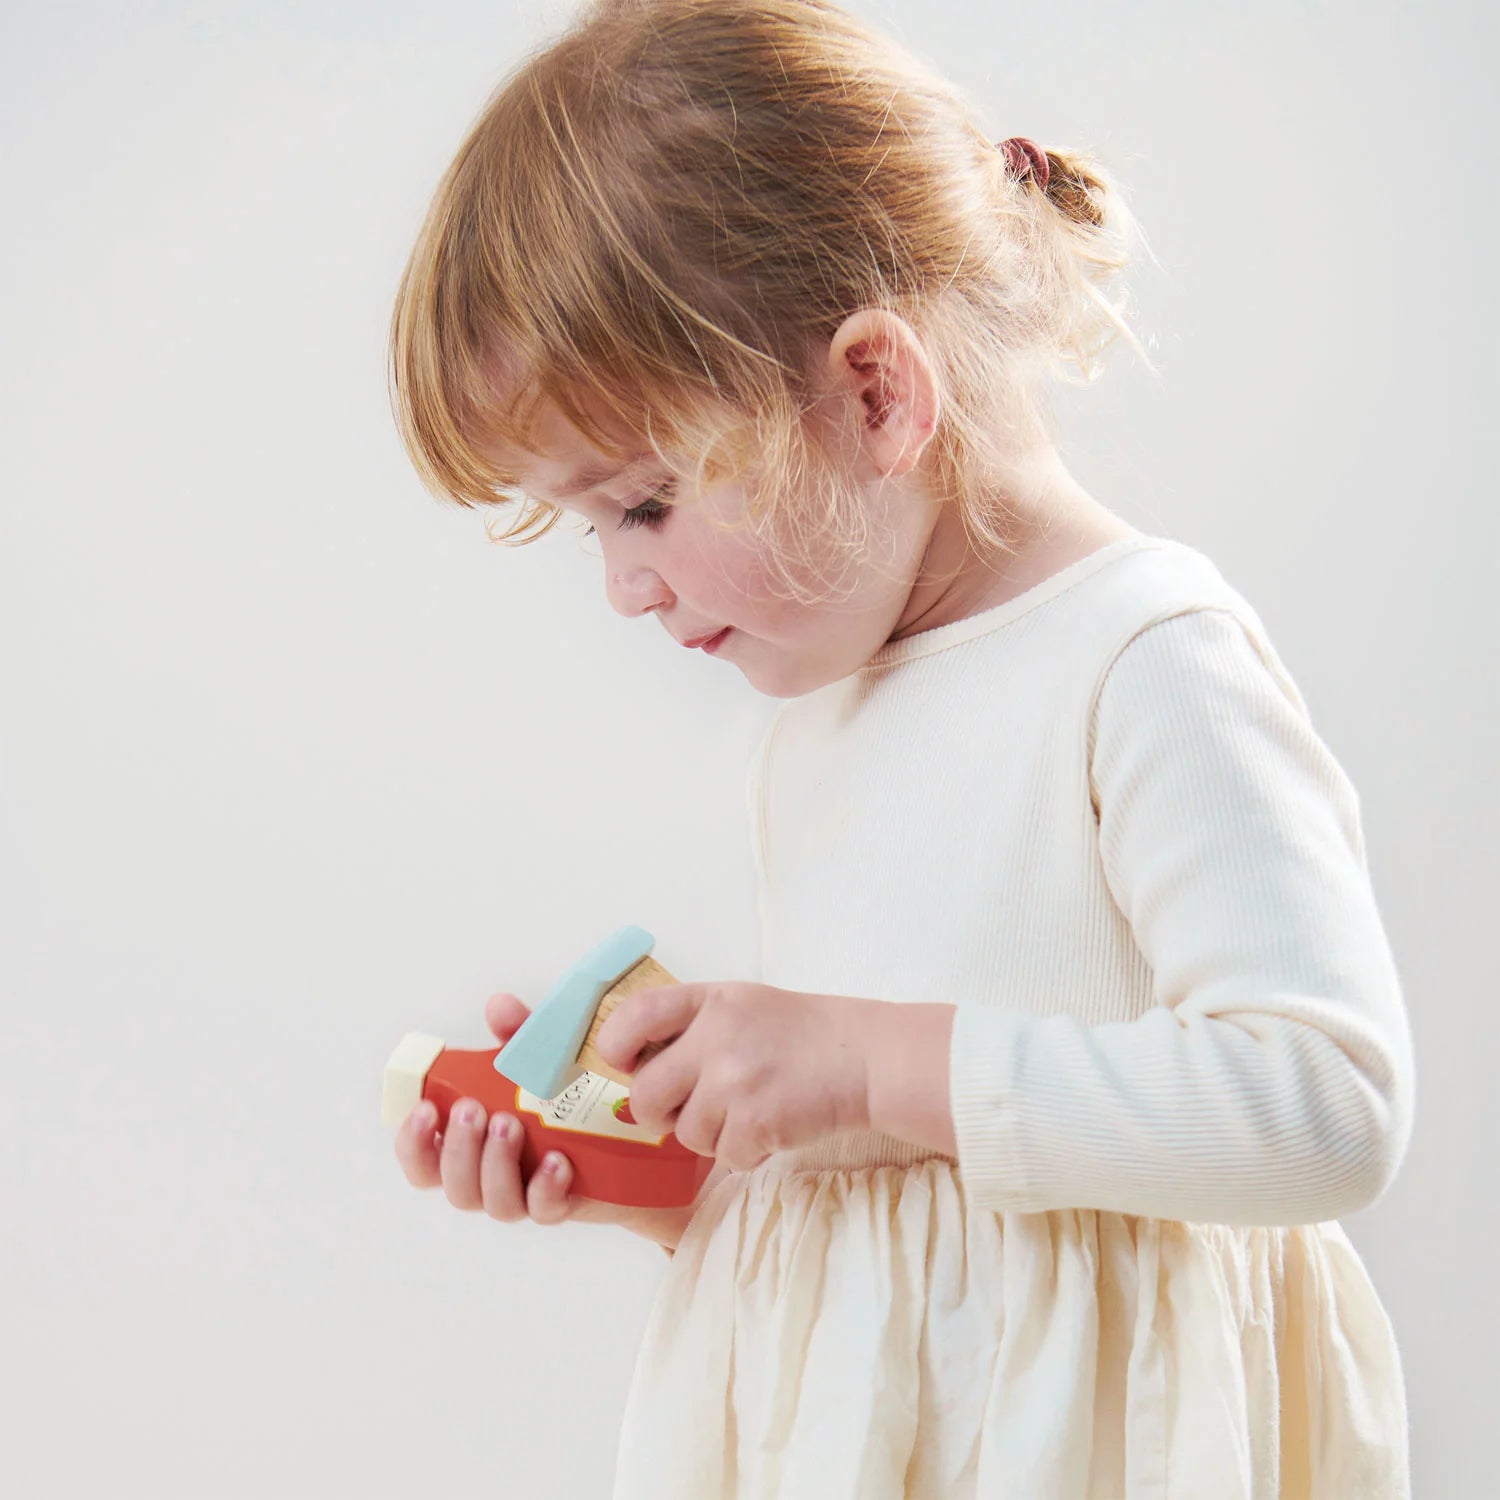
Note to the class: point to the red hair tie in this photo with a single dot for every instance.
(1027, 159)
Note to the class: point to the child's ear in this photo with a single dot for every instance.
(877, 357)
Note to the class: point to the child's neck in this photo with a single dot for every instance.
(1056, 524)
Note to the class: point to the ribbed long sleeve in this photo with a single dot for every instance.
(1272, 1081)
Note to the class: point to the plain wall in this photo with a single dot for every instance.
(294, 760)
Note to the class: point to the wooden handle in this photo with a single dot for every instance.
(645, 975)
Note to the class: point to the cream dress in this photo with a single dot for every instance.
(1095, 819)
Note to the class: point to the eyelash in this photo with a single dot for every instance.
(647, 516)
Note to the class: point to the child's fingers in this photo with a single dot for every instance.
(500, 1173)
(547, 1198)
(416, 1147)
(504, 1015)
(479, 1169)
(460, 1160)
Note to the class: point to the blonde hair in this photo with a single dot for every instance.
(671, 207)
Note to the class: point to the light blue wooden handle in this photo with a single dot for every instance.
(542, 1056)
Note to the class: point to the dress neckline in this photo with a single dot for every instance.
(940, 637)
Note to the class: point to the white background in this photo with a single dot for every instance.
(293, 760)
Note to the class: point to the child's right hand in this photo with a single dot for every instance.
(479, 1170)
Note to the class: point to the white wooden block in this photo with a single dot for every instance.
(405, 1073)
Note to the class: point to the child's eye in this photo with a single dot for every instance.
(650, 512)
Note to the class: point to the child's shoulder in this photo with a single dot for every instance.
(1167, 580)
(1158, 577)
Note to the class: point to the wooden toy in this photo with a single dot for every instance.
(550, 1076)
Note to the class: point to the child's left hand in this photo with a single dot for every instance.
(750, 1069)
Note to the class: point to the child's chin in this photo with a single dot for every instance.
(787, 680)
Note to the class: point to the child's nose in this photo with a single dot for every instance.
(636, 591)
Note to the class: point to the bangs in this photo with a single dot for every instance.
(523, 289)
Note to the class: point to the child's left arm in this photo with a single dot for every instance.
(1272, 1082)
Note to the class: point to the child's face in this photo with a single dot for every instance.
(697, 578)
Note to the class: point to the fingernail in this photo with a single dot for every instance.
(469, 1114)
(502, 1128)
(553, 1165)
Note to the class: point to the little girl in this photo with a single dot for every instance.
(1078, 1026)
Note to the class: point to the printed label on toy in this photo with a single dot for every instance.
(591, 1105)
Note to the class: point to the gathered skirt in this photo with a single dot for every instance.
(864, 1335)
